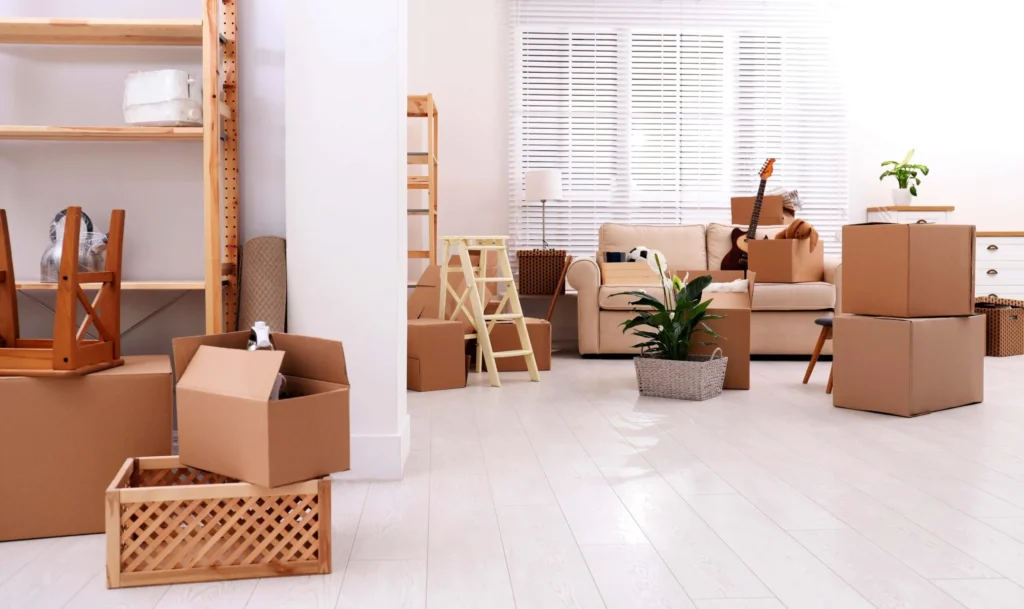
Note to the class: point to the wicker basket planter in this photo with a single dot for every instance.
(167, 524)
(1004, 326)
(540, 271)
(699, 377)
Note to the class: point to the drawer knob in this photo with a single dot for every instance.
(922, 221)
(993, 272)
(992, 248)
(993, 295)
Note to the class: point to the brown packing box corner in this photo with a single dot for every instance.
(505, 337)
(628, 273)
(734, 329)
(908, 367)
(425, 298)
(787, 260)
(436, 355)
(772, 212)
(908, 270)
(63, 440)
(228, 425)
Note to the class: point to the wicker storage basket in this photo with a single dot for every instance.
(1004, 327)
(540, 271)
(699, 377)
(167, 523)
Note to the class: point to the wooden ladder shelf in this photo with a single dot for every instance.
(69, 353)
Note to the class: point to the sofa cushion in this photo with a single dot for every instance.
(720, 241)
(607, 301)
(811, 296)
(684, 246)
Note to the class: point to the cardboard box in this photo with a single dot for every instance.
(505, 337)
(425, 299)
(772, 212)
(436, 355)
(228, 425)
(627, 273)
(908, 270)
(787, 260)
(905, 366)
(735, 328)
(63, 440)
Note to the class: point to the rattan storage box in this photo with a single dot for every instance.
(167, 523)
(1004, 326)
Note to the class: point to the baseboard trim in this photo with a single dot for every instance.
(378, 457)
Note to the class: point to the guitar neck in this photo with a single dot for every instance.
(756, 214)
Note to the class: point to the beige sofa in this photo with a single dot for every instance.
(782, 322)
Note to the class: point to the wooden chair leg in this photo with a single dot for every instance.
(817, 352)
(828, 388)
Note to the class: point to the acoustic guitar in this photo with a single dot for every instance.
(736, 259)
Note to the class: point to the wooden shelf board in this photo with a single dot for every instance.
(122, 32)
(418, 212)
(420, 158)
(419, 182)
(912, 208)
(418, 107)
(101, 134)
(419, 254)
(1001, 233)
(125, 285)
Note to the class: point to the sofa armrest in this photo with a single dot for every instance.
(834, 275)
(585, 275)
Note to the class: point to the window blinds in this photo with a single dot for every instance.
(659, 111)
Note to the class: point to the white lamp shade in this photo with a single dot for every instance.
(543, 185)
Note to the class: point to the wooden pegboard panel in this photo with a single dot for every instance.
(229, 161)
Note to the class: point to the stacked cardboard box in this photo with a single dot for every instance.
(908, 342)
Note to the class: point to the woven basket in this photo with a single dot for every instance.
(1004, 327)
(699, 377)
(540, 271)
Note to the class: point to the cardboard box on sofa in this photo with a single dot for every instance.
(905, 366)
(772, 211)
(734, 328)
(786, 260)
(505, 337)
(628, 273)
(908, 270)
(63, 440)
(228, 425)
(436, 355)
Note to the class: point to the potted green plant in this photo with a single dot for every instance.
(665, 367)
(907, 178)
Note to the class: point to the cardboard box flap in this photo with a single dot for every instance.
(186, 347)
(307, 357)
(233, 372)
(425, 298)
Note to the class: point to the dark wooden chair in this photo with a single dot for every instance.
(826, 334)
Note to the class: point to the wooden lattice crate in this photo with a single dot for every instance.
(168, 523)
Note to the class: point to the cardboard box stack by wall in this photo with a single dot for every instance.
(227, 423)
(907, 366)
(62, 441)
(505, 337)
(436, 355)
(786, 260)
(734, 328)
(772, 211)
(908, 270)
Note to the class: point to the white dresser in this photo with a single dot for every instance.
(999, 267)
(912, 214)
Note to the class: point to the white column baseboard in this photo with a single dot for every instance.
(378, 457)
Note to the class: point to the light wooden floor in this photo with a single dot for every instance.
(576, 493)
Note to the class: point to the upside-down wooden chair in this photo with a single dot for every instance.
(69, 353)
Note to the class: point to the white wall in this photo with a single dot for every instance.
(345, 159)
(158, 184)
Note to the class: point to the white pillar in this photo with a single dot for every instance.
(345, 202)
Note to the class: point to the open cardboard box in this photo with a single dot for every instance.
(734, 329)
(772, 211)
(227, 423)
(424, 303)
(786, 260)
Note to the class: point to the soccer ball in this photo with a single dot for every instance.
(638, 254)
(650, 256)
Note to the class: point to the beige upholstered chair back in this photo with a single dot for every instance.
(684, 246)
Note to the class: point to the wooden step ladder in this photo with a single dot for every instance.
(469, 301)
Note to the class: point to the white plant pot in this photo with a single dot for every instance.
(901, 197)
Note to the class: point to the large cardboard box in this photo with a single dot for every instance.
(505, 337)
(787, 260)
(908, 270)
(908, 367)
(734, 328)
(772, 211)
(228, 425)
(436, 355)
(425, 300)
(63, 440)
(628, 273)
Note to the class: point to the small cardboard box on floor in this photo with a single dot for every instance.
(905, 366)
(908, 270)
(227, 423)
(734, 328)
(786, 260)
(62, 441)
(436, 357)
